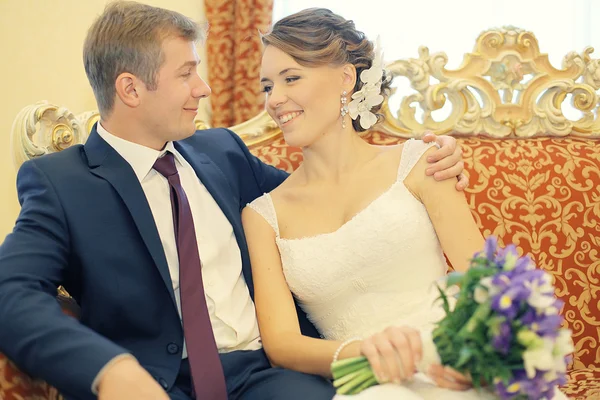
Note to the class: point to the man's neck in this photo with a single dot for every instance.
(127, 129)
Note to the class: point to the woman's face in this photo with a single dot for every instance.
(304, 101)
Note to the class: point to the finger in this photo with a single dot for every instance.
(429, 137)
(389, 357)
(413, 339)
(463, 182)
(446, 384)
(443, 164)
(440, 376)
(444, 152)
(403, 353)
(457, 376)
(449, 173)
(369, 350)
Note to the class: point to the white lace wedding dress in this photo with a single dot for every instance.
(376, 270)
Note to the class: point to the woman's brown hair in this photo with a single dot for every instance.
(317, 37)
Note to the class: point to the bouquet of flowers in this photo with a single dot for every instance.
(504, 330)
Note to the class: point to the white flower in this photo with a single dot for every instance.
(363, 107)
(510, 261)
(484, 290)
(539, 357)
(563, 346)
(369, 95)
(541, 292)
(547, 354)
(373, 74)
(480, 295)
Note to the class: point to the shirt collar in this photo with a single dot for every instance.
(141, 158)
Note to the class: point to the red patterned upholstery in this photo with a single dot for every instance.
(544, 196)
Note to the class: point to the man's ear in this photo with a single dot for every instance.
(349, 77)
(128, 89)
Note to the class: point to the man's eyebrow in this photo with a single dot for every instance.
(189, 64)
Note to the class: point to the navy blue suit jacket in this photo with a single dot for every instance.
(85, 223)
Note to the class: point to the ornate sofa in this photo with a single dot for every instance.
(534, 173)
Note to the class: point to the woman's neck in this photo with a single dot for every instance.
(334, 156)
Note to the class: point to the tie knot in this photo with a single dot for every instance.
(166, 165)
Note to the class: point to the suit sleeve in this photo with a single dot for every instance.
(266, 176)
(34, 259)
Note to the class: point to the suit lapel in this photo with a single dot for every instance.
(218, 186)
(106, 163)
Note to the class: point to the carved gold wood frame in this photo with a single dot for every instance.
(504, 62)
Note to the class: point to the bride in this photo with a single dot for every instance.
(357, 234)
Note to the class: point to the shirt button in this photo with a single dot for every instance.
(163, 383)
(172, 348)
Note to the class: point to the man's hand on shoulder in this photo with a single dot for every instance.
(127, 380)
(446, 162)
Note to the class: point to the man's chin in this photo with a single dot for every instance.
(187, 131)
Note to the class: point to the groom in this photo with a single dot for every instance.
(142, 227)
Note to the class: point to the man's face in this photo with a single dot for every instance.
(169, 111)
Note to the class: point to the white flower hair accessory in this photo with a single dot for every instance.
(370, 94)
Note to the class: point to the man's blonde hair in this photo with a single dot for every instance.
(128, 37)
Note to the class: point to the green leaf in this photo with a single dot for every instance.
(454, 278)
(464, 357)
(445, 305)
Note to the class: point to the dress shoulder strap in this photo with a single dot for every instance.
(412, 151)
(265, 207)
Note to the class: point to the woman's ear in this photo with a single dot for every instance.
(349, 77)
(127, 87)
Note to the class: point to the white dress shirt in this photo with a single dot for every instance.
(231, 309)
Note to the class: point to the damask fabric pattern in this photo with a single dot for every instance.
(584, 384)
(544, 196)
(234, 52)
(15, 385)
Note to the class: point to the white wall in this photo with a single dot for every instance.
(41, 59)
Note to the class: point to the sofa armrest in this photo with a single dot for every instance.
(16, 385)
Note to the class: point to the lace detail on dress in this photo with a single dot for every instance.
(265, 207)
(411, 153)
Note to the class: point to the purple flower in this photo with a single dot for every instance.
(547, 325)
(501, 281)
(508, 302)
(491, 245)
(502, 253)
(502, 338)
(535, 388)
(503, 391)
(523, 264)
(532, 275)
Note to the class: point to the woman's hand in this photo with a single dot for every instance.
(449, 378)
(393, 353)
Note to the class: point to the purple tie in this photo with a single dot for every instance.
(205, 365)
